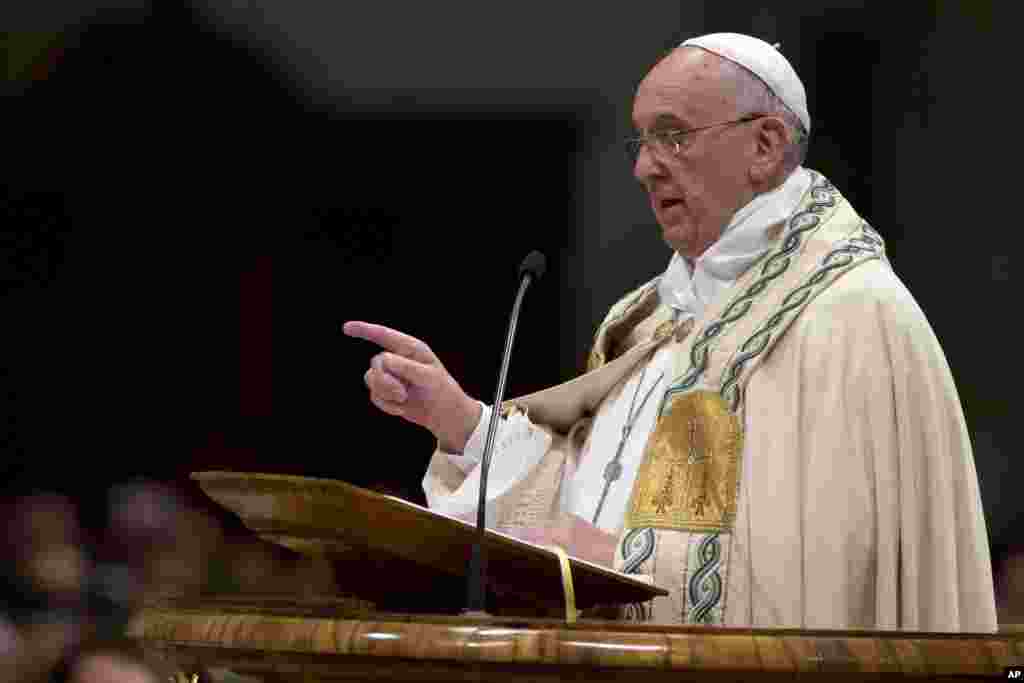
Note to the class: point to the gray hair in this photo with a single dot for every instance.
(755, 97)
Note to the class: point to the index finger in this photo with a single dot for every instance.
(392, 340)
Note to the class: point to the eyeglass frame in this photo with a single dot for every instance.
(672, 136)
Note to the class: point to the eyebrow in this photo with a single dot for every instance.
(666, 120)
(663, 119)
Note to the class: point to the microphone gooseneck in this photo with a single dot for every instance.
(531, 269)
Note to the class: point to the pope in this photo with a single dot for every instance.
(769, 428)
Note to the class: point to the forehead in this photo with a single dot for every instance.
(687, 85)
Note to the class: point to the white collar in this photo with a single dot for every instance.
(744, 240)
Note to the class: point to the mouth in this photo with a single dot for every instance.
(666, 205)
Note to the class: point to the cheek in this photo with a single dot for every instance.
(691, 177)
(706, 189)
(712, 193)
(686, 182)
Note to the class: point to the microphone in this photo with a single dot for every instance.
(534, 264)
(531, 269)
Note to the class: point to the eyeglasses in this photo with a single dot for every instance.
(670, 140)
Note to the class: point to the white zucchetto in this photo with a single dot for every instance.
(763, 60)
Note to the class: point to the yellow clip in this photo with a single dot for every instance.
(570, 594)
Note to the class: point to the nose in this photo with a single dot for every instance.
(647, 165)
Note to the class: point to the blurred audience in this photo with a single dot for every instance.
(64, 590)
(105, 668)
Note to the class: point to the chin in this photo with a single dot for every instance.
(680, 241)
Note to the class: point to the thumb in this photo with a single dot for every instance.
(407, 369)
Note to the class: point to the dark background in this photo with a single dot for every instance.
(193, 197)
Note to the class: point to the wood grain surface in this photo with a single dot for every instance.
(284, 643)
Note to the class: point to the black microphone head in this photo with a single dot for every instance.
(535, 264)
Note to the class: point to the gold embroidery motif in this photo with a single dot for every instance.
(688, 479)
(511, 409)
(664, 329)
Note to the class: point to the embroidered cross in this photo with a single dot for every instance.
(698, 449)
(699, 454)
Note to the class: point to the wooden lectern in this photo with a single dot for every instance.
(384, 548)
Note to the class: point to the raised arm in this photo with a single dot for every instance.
(406, 379)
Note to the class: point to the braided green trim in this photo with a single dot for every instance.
(866, 245)
(823, 195)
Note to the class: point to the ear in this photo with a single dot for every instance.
(770, 140)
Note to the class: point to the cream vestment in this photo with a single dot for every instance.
(802, 460)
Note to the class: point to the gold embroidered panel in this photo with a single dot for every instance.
(689, 477)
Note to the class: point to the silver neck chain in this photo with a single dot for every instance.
(613, 470)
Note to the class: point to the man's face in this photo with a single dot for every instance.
(695, 192)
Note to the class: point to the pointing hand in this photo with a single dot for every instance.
(408, 380)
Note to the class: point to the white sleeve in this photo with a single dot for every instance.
(474, 450)
(519, 445)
